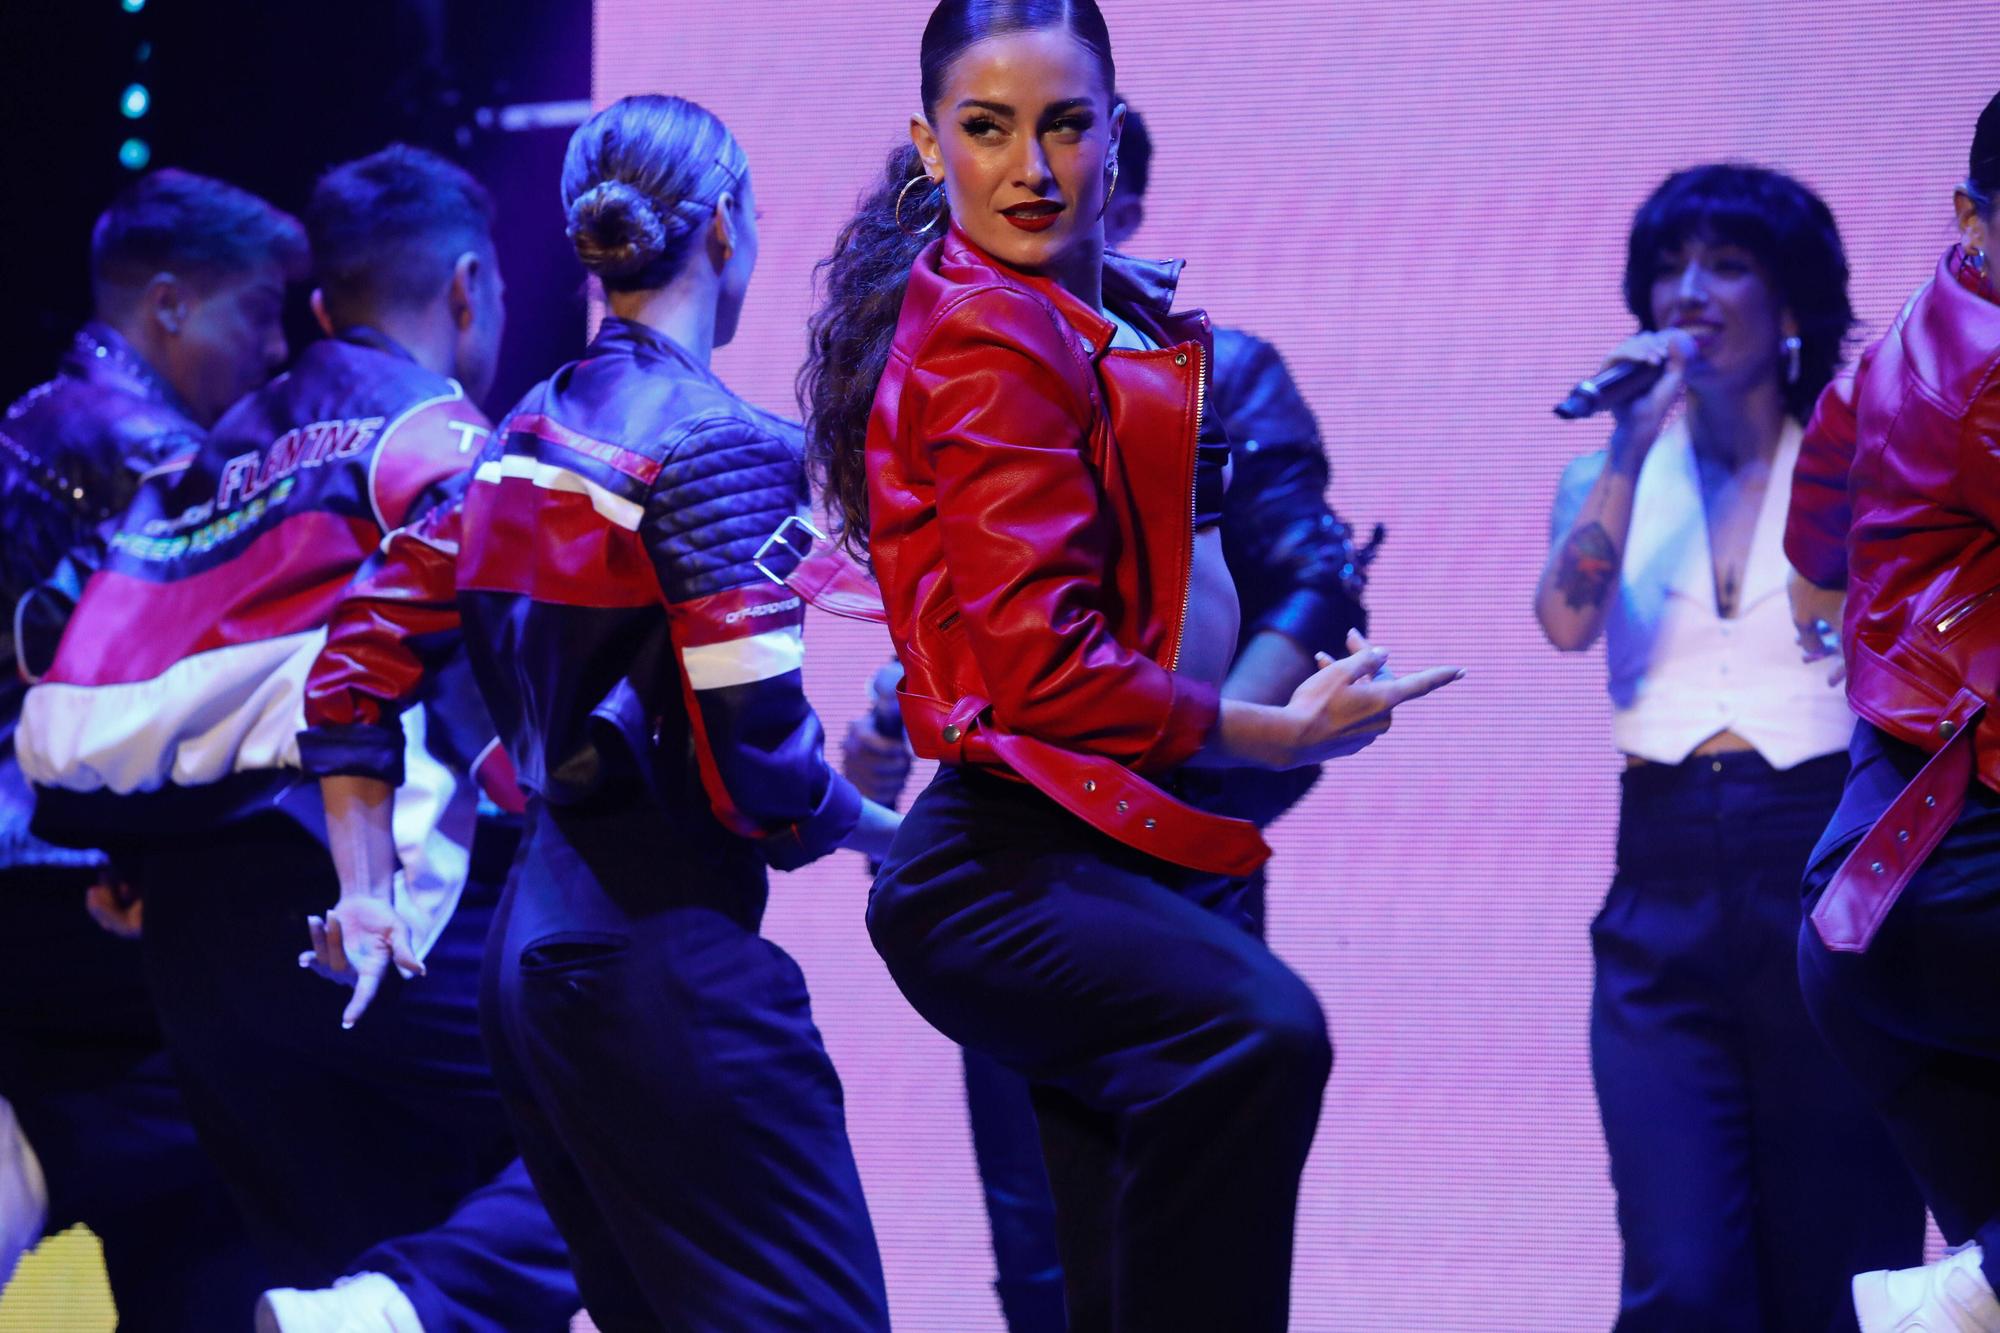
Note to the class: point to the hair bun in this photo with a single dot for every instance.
(616, 230)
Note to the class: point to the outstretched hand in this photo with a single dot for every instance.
(1344, 706)
(355, 944)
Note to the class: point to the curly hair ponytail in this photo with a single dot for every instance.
(848, 337)
(863, 280)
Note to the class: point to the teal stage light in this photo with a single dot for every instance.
(135, 101)
(134, 154)
(132, 6)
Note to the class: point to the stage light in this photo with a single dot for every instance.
(136, 101)
(144, 53)
(134, 154)
(132, 6)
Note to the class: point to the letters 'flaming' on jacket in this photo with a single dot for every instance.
(175, 697)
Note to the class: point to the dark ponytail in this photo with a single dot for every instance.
(861, 285)
(862, 281)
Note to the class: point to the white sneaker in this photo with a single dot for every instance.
(363, 1303)
(24, 1194)
(1949, 1296)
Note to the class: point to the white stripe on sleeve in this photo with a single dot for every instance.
(716, 666)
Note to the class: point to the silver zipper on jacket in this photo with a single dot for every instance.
(1962, 610)
(1187, 578)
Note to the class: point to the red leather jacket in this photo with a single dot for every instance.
(1032, 529)
(1897, 498)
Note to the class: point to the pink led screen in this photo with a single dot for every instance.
(1424, 207)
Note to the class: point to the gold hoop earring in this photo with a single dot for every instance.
(905, 194)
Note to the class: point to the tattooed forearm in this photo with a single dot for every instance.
(1587, 567)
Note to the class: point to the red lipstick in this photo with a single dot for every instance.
(1038, 216)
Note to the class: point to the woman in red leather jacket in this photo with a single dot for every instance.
(1897, 502)
(1013, 424)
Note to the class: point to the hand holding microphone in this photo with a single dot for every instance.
(876, 758)
(1638, 384)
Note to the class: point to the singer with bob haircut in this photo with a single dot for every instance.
(1014, 424)
(1752, 1179)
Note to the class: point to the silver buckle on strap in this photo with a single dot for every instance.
(778, 539)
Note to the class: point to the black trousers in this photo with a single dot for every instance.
(1014, 1180)
(671, 1094)
(82, 1063)
(1020, 1208)
(1752, 1178)
(1917, 1020)
(384, 1147)
(1177, 1065)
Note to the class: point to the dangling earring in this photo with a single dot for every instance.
(1975, 259)
(1792, 347)
(1113, 188)
(911, 184)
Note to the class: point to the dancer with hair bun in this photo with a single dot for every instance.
(672, 1098)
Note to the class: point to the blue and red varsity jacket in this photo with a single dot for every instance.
(176, 694)
(604, 566)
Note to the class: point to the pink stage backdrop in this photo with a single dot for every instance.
(1424, 207)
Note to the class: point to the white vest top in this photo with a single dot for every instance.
(1680, 673)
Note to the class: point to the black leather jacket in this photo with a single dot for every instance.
(72, 451)
(604, 564)
(1297, 567)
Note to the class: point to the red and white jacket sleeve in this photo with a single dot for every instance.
(403, 601)
(738, 640)
(399, 616)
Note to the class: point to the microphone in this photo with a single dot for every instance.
(1617, 384)
(885, 718)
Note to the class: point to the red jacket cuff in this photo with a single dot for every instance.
(1190, 721)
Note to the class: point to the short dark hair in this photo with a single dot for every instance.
(1135, 152)
(1983, 171)
(1786, 226)
(196, 227)
(387, 228)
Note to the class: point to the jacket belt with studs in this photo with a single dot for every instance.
(1897, 498)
